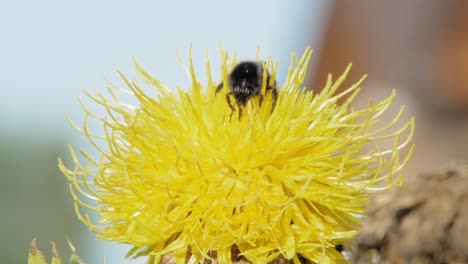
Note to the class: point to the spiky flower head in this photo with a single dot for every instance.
(178, 176)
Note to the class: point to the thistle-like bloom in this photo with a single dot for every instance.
(179, 177)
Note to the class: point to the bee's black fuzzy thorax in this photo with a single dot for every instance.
(245, 82)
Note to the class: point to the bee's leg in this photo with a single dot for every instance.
(240, 110)
(260, 99)
(228, 100)
(268, 86)
(218, 89)
(274, 94)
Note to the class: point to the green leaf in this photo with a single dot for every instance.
(74, 259)
(56, 258)
(35, 255)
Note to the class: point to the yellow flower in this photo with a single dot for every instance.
(178, 176)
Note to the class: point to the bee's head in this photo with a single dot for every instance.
(246, 80)
(242, 96)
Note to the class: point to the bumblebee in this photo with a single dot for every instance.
(245, 82)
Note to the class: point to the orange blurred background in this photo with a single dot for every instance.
(419, 48)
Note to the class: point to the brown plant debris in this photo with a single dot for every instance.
(236, 259)
(425, 221)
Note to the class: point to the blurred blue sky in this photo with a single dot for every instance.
(51, 50)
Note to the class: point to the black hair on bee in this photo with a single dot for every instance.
(246, 81)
